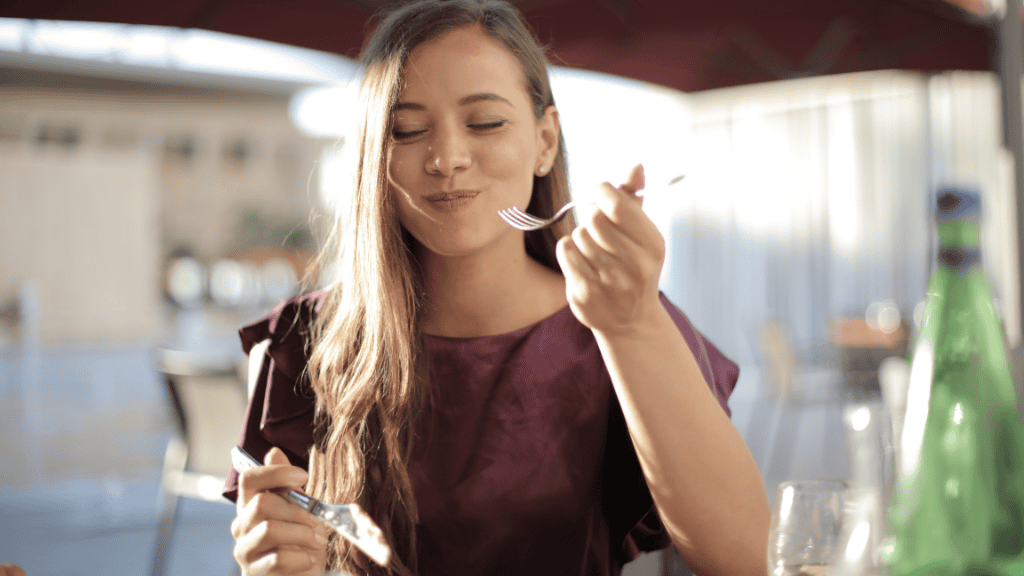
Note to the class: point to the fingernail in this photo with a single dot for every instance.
(320, 538)
(299, 475)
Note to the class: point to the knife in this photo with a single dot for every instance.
(348, 520)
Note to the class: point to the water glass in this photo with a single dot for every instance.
(807, 527)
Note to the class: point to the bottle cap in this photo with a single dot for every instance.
(954, 203)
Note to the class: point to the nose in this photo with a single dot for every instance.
(448, 152)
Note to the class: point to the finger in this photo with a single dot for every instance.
(271, 477)
(574, 265)
(275, 456)
(271, 506)
(236, 528)
(610, 270)
(635, 182)
(280, 562)
(273, 536)
(595, 255)
(626, 214)
(320, 557)
(580, 277)
(610, 238)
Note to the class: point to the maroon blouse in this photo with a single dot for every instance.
(528, 467)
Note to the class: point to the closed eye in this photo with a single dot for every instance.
(406, 134)
(483, 126)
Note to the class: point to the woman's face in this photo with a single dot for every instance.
(465, 142)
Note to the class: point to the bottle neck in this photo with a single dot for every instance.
(959, 245)
(959, 233)
(960, 258)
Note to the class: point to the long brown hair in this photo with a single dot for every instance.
(368, 366)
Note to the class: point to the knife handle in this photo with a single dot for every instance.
(346, 519)
(244, 461)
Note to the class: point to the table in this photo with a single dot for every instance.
(862, 349)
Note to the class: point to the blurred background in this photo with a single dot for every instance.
(159, 167)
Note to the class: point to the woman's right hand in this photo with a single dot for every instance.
(273, 535)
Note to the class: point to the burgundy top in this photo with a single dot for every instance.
(529, 468)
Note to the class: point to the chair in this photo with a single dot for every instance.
(207, 396)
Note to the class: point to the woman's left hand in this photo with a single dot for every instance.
(612, 261)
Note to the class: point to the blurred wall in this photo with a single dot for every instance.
(101, 181)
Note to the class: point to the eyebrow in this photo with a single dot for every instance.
(464, 101)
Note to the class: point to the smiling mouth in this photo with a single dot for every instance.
(451, 201)
(449, 196)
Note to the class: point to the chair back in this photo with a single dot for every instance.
(208, 402)
(780, 360)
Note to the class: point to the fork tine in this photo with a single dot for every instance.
(509, 218)
(523, 226)
(530, 225)
(519, 219)
(526, 218)
(513, 222)
(528, 222)
(523, 221)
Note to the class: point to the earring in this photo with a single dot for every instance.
(543, 170)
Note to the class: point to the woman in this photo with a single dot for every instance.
(498, 402)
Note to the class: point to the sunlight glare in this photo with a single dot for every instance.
(918, 399)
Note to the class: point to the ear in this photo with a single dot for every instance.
(547, 141)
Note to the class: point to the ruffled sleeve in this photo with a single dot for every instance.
(280, 411)
(720, 373)
(632, 517)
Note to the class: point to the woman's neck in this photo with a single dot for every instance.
(493, 291)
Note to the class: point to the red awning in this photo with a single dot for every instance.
(689, 46)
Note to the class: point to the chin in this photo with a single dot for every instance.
(452, 248)
(456, 244)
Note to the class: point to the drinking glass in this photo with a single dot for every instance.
(807, 527)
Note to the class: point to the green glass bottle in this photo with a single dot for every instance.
(958, 495)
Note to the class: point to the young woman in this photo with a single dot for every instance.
(498, 401)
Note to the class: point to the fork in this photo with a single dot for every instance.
(516, 218)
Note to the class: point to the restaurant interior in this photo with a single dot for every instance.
(158, 172)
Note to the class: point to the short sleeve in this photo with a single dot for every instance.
(281, 408)
(720, 373)
(633, 519)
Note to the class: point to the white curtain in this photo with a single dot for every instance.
(804, 201)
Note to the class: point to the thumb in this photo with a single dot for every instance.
(635, 181)
(275, 456)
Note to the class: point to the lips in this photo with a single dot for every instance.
(449, 196)
(451, 202)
